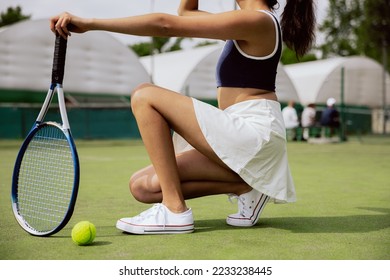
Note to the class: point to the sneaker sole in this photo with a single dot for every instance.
(252, 220)
(154, 229)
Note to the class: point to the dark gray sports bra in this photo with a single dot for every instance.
(238, 69)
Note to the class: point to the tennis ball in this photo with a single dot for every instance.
(83, 233)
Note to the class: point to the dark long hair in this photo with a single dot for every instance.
(298, 24)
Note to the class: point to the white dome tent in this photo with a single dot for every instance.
(170, 70)
(100, 73)
(192, 73)
(316, 81)
(96, 62)
(357, 81)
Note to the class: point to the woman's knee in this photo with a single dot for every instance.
(141, 96)
(136, 190)
(141, 188)
(139, 91)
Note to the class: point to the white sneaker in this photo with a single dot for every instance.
(250, 206)
(158, 220)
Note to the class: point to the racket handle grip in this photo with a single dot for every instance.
(57, 75)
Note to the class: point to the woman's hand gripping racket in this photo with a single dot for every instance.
(46, 173)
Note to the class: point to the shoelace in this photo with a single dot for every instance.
(153, 212)
(240, 202)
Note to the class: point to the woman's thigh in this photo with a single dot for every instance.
(193, 167)
(178, 111)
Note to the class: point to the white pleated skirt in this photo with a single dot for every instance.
(250, 138)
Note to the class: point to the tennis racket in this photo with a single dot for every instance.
(46, 174)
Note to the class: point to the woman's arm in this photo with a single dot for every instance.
(66, 22)
(238, 25)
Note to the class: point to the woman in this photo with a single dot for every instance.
(238, 148)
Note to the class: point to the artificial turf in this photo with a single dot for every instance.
(342, 211)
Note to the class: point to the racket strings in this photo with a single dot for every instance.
(46, 179)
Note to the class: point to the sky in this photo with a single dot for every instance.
(39, 9)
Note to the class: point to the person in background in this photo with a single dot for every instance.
(308, 119)
(291, 121)
(330, 117)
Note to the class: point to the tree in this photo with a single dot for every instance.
(356, 27)
(12, 15)
(290, 57)
(341, 28)
(375, 29)
(157, 45)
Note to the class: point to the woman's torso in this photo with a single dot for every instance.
(262, 50)
(228, 96)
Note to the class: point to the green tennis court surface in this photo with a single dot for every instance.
(342, 212)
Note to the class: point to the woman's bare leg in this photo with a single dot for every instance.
(199, 177)
(157, 111)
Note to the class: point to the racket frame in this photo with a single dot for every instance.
(55, 86)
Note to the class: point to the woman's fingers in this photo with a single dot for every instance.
(59, 24)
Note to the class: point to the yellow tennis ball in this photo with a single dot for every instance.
(83, 233)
